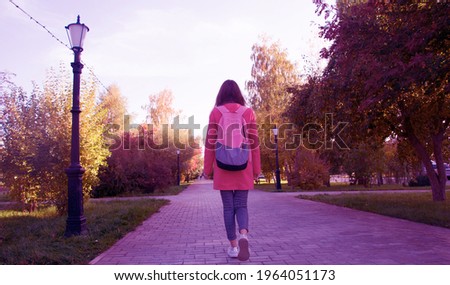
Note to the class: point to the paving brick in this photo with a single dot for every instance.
(283, 230)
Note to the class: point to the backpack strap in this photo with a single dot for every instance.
(241, 110)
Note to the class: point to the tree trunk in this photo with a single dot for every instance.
(288, 174)
(440, 167)
(296, 173)
(437, 180)
(380, 178)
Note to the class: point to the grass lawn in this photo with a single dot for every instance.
(37, 238)
(417, 207)
(171, 190)
(340, 187)
(4, 197)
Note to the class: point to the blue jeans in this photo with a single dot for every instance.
(234, 208)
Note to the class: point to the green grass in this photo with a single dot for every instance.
(417, 207)
(37, 238)
(340, 187)
(172, 190)
(168, 191)
(4, 198)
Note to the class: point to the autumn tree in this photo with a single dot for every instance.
(37, 140)
(165, 124)
(20, 142)
(193, 167)
(388, 75)
(3, 79)
(144, 157)
(268, 94)
(160, 108)
(116, 105)
(275, 79)
(272, 73)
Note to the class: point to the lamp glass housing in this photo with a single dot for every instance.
(76, 33)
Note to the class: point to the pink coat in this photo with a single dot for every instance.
(232, 180)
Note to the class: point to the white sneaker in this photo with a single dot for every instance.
(233, 252)
(244, 253)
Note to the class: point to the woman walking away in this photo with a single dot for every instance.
(232, 156)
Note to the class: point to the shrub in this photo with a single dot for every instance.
(312, 171)
(421, 180)
(135, 169)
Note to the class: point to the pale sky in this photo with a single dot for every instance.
(145, 46)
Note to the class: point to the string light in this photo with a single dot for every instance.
(37, 22)
(96, 79)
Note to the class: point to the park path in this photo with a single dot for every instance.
(283, 230)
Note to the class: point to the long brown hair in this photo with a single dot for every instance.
(230, 93)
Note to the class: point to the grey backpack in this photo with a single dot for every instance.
(232, 148)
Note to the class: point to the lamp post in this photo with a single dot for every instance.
(277, 170)
(76, 222)
(178, 167)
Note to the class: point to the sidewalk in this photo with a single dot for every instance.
(283, 230)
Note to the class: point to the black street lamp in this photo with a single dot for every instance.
(178, 167)
(277, 171)
(76, 222)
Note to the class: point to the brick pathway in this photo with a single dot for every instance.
(283, 230)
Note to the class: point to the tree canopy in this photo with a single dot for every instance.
(37, 140)
(388, 75)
